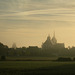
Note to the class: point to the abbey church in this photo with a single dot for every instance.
(52, 43)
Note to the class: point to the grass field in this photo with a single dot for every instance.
(36, 68)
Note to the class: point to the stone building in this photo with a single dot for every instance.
(52, 43)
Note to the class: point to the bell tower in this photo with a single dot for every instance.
(54, 40)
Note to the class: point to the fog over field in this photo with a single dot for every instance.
(29, 22)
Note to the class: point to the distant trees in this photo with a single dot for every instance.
(64, 59)
(3, 49)
(35, 51)
(3, 46)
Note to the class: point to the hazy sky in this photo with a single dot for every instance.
(29, 22)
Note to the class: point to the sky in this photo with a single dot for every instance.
(29, 22)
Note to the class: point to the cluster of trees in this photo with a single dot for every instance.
(35, 51)
(65, 59)
(3, 49)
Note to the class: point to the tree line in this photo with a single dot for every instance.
(36, 51)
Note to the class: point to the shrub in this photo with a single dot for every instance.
(73, 59)
(3, 57)
(64, 59)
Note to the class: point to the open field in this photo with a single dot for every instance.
(36, 68)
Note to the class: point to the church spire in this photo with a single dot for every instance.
(54, 33)
(54, 41)
(48, 38)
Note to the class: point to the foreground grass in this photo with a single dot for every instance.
(36, 68)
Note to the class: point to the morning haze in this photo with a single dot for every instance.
(28, 22)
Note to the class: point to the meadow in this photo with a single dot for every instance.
(36, 68)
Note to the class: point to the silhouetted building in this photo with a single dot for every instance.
(14, 46)
(52, 43)
(54, 40)
(47, 44)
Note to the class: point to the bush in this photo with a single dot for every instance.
(3, 57)
(73, 59)
(64, 59)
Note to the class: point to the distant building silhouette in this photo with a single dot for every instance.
(47, 44)
(52, 43)
(54, 40)
(14, 46)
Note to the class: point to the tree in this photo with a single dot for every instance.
(3, 57)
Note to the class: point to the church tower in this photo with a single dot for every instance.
(52, 43)
(47, 44)
(54, 40)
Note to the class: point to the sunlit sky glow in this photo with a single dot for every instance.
(29, 22)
